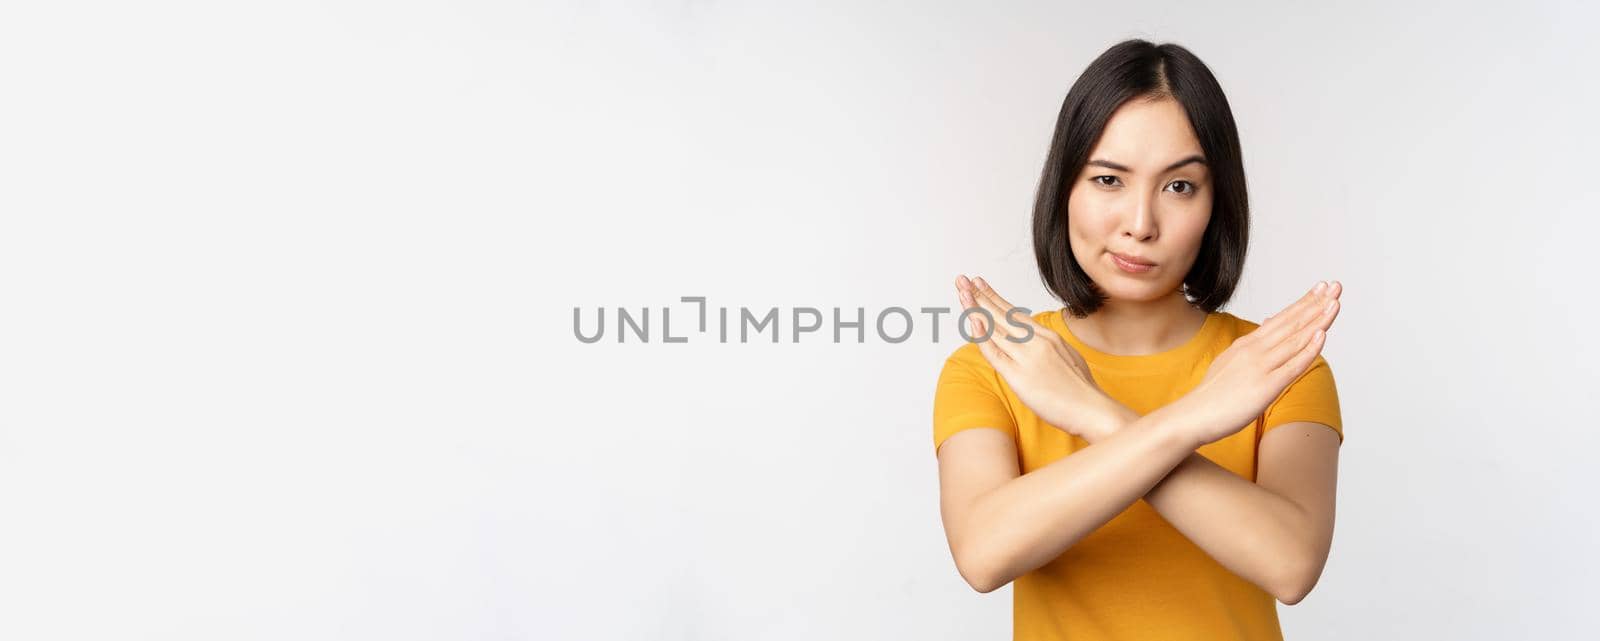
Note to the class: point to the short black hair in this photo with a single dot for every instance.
(1133, 69)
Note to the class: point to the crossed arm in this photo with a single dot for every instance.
(1274, 532)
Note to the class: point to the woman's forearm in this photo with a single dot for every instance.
(1030, 520)
(1254, 532)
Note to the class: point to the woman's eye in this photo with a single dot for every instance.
(1182, 186)
(1106, 181)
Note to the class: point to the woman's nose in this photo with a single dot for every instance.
(1140, 220)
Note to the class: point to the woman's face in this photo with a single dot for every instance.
(1145, 194)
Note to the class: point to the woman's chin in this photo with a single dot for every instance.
(1136, 292)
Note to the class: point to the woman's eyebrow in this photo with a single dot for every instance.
(1101, 162)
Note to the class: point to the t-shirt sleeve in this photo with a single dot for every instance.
(1312, 397)
(968, 396)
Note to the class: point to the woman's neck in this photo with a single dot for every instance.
(1139, 327)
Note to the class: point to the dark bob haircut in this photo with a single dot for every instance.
(1139, 69)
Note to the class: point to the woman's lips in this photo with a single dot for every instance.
(1130, 267)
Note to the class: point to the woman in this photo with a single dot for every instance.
(1228, 430)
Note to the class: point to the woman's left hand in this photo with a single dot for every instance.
(1047, 374)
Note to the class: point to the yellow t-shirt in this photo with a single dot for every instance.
(1136, 577)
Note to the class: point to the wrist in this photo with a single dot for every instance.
(1172, 419)
(1109, 417)
(1166, 425)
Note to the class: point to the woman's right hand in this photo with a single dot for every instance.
(1243, 380)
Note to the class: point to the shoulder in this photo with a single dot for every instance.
(1229, 329)
(967, 368)
(968, 358)
(1234, 326)
(966, 353)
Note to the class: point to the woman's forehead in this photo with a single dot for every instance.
(1147, 135)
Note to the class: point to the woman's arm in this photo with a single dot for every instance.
(1284, 516)
(1001, 532)
(1275, 532)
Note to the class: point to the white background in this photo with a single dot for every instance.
(286, 343)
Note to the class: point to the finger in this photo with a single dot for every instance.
(1000, 302)
(992, 353)
(1302, 359)
(1273, 320)
(964, 292)
(985, 289)
(1274, 330)
(1334, 289)
(1309, 300)
(1313, 314)
(1002, 329)
(1005, 307)
(1306, 321)
(964, 297)
(1322, 317)
(979, 324)
(1287, 350)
